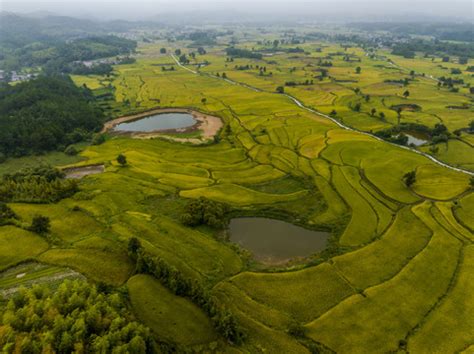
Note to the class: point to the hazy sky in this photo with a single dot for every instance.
(142, 9)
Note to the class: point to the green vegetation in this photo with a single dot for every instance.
(398, 220)
(204, 212)
(45, 114)
(42, 184)
(122, 159)
(224, 322)
(176, 319)
(57, 44)
(75, 317)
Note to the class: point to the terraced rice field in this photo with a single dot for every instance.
(398, 272)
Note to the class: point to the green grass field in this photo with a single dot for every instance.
(399, 266)
(169, 316)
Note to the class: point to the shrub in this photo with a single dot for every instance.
(71, 151)
(296, 329)
(40, 224)
(409, 178)
(98, 139)
(122, 159)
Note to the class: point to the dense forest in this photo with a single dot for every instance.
(76, 317)
(45, 114)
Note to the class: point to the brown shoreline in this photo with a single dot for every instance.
(207, 124)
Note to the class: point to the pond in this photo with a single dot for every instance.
(415, 139)
(275, 241)
(163, 121)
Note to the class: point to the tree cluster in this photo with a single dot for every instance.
(205, 212)
(76, 317)
(223, 320)
(36, 185)
(408, 49)
(439, 133)
(301, 83)
(243, 53)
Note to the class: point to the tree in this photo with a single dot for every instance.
(203, 100)
(471, 127)
(122, 159)
(358, 70)
(357, 107)
(333, 113)
(224, 75)
(296, 329)
(163, 50)
(6, 214)
(471, 182)
(177, 52)
(406, 94)
(133, 247)
(373, 111)
(183, 59)
(399, 115)
(382, 116)
(439, 129)
(409, 178)
(40, 224)
(280, 89)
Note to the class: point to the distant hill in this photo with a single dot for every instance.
(463, 32)
(57, 41)
(16, 30)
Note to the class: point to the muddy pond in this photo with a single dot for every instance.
(162, 121)
(275, 241)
